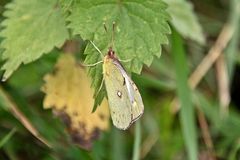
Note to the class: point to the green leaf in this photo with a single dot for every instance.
(187, 118)
(31, 28)
(141, 28)
(184, 20)
(232, 48)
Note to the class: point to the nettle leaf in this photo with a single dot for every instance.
(31, 28)
(141, 28)
(185, 20)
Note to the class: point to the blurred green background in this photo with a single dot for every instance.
(183, 119)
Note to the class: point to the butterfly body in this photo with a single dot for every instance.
(124, 99)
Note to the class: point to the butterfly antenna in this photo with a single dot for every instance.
(105, 27)
(110, 41)
(113, 30)
(97, 48)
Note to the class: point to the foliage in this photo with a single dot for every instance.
(31, 28)
(136, 44)
(184, 20)
(50, 38)
(70, 99)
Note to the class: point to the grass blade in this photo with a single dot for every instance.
(7, 137)
(187, 118)
(137, 142)
(119, 145)
(232, 49)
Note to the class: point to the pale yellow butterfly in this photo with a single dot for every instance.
(125, 101)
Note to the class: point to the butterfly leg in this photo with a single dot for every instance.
(92, 65)
(125, 60)
(96, 48)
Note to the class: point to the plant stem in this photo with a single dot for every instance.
(137, 142)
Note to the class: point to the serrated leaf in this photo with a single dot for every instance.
(69, 93)
(185, 20)
(141, 28)
(31, 28)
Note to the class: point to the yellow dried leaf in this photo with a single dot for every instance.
(69, 93)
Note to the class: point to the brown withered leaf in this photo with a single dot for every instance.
(69, 93)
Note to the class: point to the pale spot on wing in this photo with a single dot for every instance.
(134, 104)
(119, 94)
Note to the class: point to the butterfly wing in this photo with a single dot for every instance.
(134, 96)
(137, 104)
(125, 101)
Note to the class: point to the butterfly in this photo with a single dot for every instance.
(125, 101)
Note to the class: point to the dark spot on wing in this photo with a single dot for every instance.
(124, 81)
(134, 86)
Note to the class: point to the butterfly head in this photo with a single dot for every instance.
(111, 53)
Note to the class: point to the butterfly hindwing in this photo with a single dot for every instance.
(137, 105)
